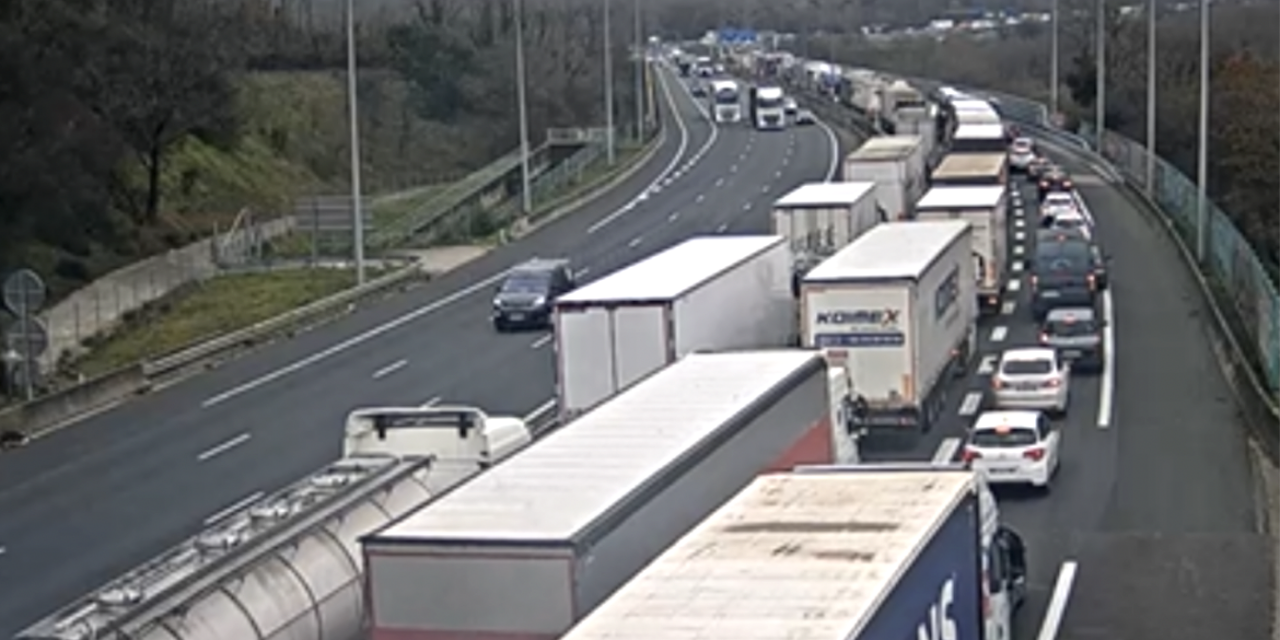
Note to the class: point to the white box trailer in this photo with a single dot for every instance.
(986, 209)
(533, 545)
(897, 309)
(980, 138)
(705, 294)
(820, 218)
(971, 170)
(897, 165)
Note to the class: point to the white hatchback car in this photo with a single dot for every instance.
(1021, 153)
(1058, 202)
(1070, 220)
(1014, 447)
(1032, 378)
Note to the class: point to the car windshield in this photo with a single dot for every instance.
(1068, 222)
(997, 438)
(1070, 328)
(1027, 367)
(526, 283)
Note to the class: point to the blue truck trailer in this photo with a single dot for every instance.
(857, 552)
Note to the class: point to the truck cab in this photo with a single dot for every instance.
(447, 433)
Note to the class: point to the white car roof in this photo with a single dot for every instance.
(1059, 196)
(1070, 213)
(1028, 354)
(991, 420)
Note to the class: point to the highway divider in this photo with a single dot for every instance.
(1222, 279)
(51, 411)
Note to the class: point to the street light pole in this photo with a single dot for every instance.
(1151, 98)
(526, 191)
(1054, 69)
(640, 63)
(1101, 64)
(608, 87)
(1202, 162)
(353, 115)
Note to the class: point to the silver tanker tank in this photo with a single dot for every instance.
(289, 565)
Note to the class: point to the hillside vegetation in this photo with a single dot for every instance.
(132, 126)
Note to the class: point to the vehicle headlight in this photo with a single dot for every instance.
(539, 301)
(497, 304)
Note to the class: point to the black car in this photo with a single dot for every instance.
(1063, 274)
(1038, 168)
(1100, 259)
(1054, 180)
(525, 298)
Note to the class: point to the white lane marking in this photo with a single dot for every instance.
(834, 167)
(1020, 236)
(541, 342)
(946, 450)
(719, 182)
(743, 155)
(786, 161)
(431, 402)
(635, 242)
(1015, 285)
(722, 228)
(390, 369)
(1106, 393)
(1008, 307)
(971, 403)
(700, 198)
(4, 550)
(746, 206)
(539, 411)
(1019, 223)
(581, 273)
(988, 365)
(1018, 266)
(220, 449)
(237, 506)
(680, 151)
(1018, 250)
(675, 215)
(998, 334)
(764, 189)
(1057, 608)
(777, 175)
(1019, 212)
(733, 168)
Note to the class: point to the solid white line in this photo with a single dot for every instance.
(834, 167)
(972, 402)
(539, 411)
(240, 504)
(390, 369)
(1008, 307)
(988, 365)
(675, 161)
(946, 450)
(1106, 393)
(435, 400)
(220, 449)
(541, 342)
(1057, 608)
(1015, 285)
(998, 334)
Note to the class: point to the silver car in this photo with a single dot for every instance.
(1076, 334)
(1032, 378)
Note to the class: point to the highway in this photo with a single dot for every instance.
(1155, 508)
(87, 503)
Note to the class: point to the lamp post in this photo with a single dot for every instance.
(640, 62)
(1054, 61)
(357, 206)
(1202, 161)
(526, 194)
(610, 150)
(1101, 64)
(1151, 98)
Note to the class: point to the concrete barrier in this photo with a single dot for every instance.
(35, 418)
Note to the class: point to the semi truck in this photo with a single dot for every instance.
(980, 138)
(768, 108)
(986, 210)
(851, 552)
(530, 547)
(821, 218)
(726, 102)
(709, 293)
(288, 565)
(898, 167)
(971, 170)
(896, 308)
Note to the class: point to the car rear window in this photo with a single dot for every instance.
(1070, 329)
(1027, 367)
(996, 438)
(527, 283)
(1062, 256)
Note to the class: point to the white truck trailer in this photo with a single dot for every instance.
(980, 138)
(851, 553)
(986, 210)
(897, 165)
(971, 170)
(533, 545)
(768, 108)
(897, 309)
(288, 565)
(820, 218)
(705, 294)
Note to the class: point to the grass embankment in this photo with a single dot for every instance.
(202, 311)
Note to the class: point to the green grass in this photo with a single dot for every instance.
(199, 312)
(595, 175)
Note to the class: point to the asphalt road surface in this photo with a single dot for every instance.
(1155, 508)
(88, 503)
